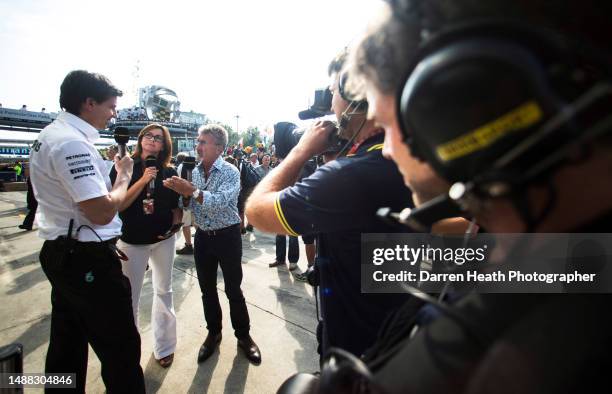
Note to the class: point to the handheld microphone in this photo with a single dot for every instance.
(122, 136)
(188, 166)
(151, 161)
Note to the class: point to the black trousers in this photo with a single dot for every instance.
(32, 206)
(91, 303)
(281, 249)
(222, 249)
(29, 219)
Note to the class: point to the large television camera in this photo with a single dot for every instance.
(287, 134)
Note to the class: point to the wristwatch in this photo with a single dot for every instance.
(196, 193)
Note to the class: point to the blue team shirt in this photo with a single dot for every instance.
(339, 201)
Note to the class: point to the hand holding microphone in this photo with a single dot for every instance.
(149, 174)
(151, 170)
(124, 165)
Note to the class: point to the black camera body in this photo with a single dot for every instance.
(321, 106)
(188, 165)
(287, 135)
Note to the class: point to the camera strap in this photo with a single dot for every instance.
(70, 226)
(70, 243)
(111, 245)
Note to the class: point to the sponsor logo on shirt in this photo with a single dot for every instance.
(77, 156)
(84, 175)
(81, 169)
(74, 163)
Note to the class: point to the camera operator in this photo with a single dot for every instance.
(469, 64)
(90, 296)
(293, 252)
(339, 201)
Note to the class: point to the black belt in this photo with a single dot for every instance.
(219, 231)
(112, 241)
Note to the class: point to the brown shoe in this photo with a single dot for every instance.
(166, 361)
(276, 264)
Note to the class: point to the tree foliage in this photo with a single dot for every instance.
(232, 136)
(251, 136)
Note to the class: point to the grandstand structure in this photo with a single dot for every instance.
(19, 128)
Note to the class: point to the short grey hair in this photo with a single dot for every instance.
(217, 131)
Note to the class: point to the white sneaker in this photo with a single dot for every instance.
(292, 266)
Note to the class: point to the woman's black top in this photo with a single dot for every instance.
(141, 229)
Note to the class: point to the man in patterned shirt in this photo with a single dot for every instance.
(213, 198)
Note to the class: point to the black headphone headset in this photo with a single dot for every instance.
(492, 105)
(466, 78)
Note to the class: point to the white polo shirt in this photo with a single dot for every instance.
(65, 169)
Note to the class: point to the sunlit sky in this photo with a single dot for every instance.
(261, 60)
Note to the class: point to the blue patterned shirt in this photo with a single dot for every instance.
(220, 192)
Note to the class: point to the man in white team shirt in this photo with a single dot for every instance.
(91, 299)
